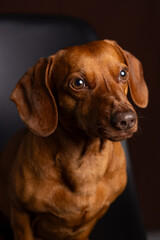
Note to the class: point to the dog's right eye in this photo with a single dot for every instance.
(78, 84)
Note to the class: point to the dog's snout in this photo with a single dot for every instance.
(124, 120)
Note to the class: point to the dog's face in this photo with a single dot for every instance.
(87, 87)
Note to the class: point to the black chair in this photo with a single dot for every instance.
(23, 40)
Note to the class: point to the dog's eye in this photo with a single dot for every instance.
(78, 84)
(123, 75)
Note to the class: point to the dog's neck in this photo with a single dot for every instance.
(80, 142)
(86, 164)
(78, 169)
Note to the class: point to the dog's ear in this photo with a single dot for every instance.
(34, 99)
(137, 85)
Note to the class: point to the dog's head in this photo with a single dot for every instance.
(84, 88)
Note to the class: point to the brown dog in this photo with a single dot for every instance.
(59, 176)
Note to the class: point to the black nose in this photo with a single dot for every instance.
(124, 120)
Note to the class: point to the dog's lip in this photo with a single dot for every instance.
(122, 136)
(117, 135)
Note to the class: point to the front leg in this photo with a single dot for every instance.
(20, 222)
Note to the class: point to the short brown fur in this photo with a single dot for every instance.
(60, 175)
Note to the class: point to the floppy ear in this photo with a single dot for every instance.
(34, 99)
(137, 85)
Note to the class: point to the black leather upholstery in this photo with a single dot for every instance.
(23, 40)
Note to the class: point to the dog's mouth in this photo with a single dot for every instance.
(121, 137)
(114, 134)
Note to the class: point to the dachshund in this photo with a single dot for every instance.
(61, 173)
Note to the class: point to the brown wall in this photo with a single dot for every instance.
(136, 27)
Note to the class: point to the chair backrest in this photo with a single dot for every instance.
(23, 40)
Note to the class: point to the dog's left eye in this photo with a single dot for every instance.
(123, 75)
(77, 84)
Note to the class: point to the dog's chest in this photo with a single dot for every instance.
(71, 200)
(80, 188)
(73, 195)
(69, 212)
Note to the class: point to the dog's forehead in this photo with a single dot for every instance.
(93, 61)
(88, 54)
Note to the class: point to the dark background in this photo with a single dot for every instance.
(135, 25)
